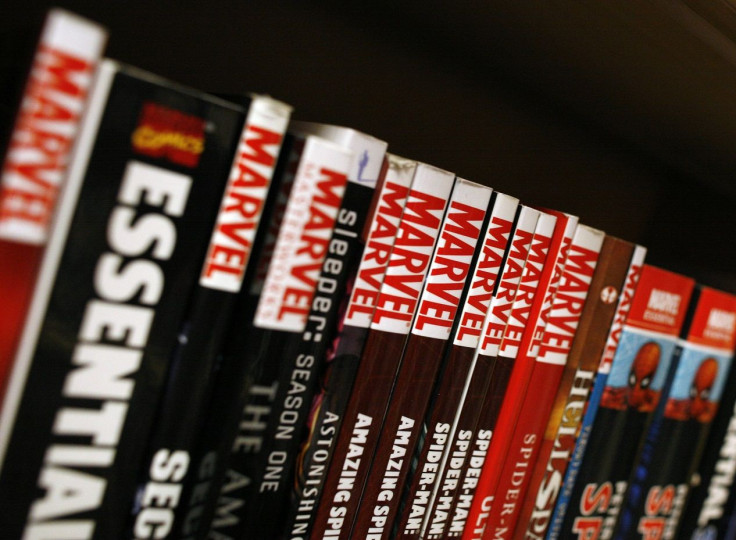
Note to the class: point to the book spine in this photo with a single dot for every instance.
(660, 477)
(711, 499)
(281, 317)
(433, 326)
(47, 122)
(221, 416)
(130, 235)
(591, 406)
(272, 466)
(183, 403)
(521, 333)
(442, 424)
(478, 412)
(567, 411)
(342, 360)
(395, 308)
(632, 390)
(554, 350)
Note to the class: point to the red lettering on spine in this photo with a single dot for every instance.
(55, 77)
(440, 302)
(424, 210)
(297, 300)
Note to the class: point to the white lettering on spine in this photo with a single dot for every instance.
(124, 328)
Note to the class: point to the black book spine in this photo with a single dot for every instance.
(129, 240)
(189, 383)
(272, 467)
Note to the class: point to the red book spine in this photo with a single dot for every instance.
(547, 371)
(567, 411)
(478, 410)
(457, 372)
(522, 335)
(433, 326)
(395, 309)
(36, 160)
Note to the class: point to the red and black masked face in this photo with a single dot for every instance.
(641, 397)
(700, 390)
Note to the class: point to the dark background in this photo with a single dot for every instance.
(623, 113)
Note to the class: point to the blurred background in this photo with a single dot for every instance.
(623, 113)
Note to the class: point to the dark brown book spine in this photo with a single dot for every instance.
(396, 306)
(433, 326)
(457, 373)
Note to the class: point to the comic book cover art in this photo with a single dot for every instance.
(638, 372)
(679, 427)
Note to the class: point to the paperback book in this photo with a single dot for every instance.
(36, 151)
(231, 247)
(441, 424)
(519, 344)
(344, 355)
(395, 308)
(444, 290)
(591, 406)
(658, 486)
(271, 465)
(633, 389)
(478, 411)
(558, 439)
(554, 349)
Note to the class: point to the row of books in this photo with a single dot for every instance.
(221, 322)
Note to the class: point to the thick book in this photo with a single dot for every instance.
(231, 246)
(520, 343)
(558, 439)
(130, 234)
(709, 508)
(247, 385)
(440, 425)
(478, 410)
(271, 466)
(444, 290)
(658, 486)
(36, 153)
(330, 402)
(395, 308)
(590, 406)
(554, 350)
(628, 401)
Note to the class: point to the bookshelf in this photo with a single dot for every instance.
(621, 113)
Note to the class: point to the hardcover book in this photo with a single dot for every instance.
(633, 389)
(561, 431)
(554, 349)
(343, 357)
(658, 486)
(434, 324)
(128, 241)
(395, 308)
(36, 153)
